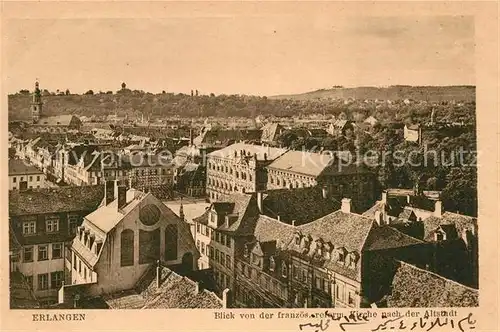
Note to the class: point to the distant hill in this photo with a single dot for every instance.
(428, 93)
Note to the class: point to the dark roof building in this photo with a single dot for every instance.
(20, 167)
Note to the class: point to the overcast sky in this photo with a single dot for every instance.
(241, 53)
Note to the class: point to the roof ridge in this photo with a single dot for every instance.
(437, 275)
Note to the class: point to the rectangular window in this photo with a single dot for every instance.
(14, 179)
(85, 272)
(79, 266)
(29, 281)
(38, 178)
(73, 223)
(217, 255)
(43, 281)
(56, 250)
(31, 178)
(295, 272)
(52, 224)
(203, 248)
(350, 298)
(326, 287)
(29, 227)
(197, 228)
(212, 253)
(74, 261)
(28, 254)
(43, 252)
(56, 279)
(228, 261)
(198, 245)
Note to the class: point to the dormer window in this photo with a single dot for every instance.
(440, 235)
(297, 239)
(272, 263)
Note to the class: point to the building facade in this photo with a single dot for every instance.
(42, 222)
(299, 169)
(124, 238)
(23, 176)
(239, 168)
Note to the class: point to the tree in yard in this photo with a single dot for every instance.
(124, 86)
(90, 92)
(460, 193)
(67, 92)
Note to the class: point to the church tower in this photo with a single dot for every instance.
(36, 104)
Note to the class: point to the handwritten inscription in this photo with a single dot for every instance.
(430, 320)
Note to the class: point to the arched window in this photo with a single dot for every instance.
(127, 247)
(149, 246)
(284, 270)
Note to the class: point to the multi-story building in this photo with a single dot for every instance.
(219, 230)
(123, 239)
(298, 169)
(421, 215)
(23, 176)
(149, 172)
(239, 168)
(340, 260)
(42, 222)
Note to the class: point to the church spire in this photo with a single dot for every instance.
(36, 103)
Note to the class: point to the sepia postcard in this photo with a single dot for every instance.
(263, 166)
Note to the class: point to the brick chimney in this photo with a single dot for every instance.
(122, 196)
(196, 287)
(346, 205)
(438, 209)
(324, 190)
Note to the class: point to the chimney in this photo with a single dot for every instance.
(226, 298)
(122, 196)
(408, 199)
(196, 287)
(438, 209)
(278, 217)
(259, 202)
(384, 196)
(325, 192)
(158, 274)
(293, 223)
(109, 192)
(346, 205)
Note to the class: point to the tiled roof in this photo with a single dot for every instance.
(460, 222)
(300, 204)
(21, 296)
(269, 229)
(245, 205)
(346, 230)
(250, 150)
(175, 291)
(414, 287)
(224, 137)
(19, 167)
(270, 132)
(55, 200)
(57, 120)
(386, 237)
(313, 164)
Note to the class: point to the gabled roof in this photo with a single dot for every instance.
(19, 167)
(270, 132)
(459, 222)
(386, 237)
(269, 229)
(57, 120)
(300, 204)
(55, 200)
(348, 230)
(313, 164)
(413, 287)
